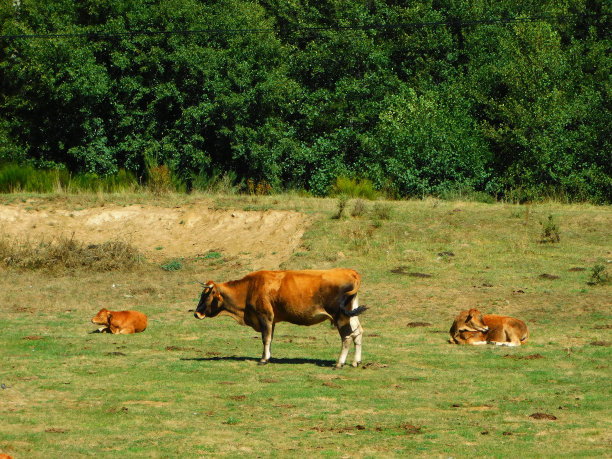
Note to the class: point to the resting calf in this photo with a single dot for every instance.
(123, 322)
(472, 327)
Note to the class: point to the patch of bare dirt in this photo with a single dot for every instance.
(267, 237)
(418, 324)
(374, 366)
(33, 337)
(543, 416)
(524, 357)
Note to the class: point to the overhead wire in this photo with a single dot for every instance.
(285, 31)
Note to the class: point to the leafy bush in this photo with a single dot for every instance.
(358, 208)
(599, 275)
(382, 211)
(355, 189)
(550, 231)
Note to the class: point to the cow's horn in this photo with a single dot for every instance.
(209, 284)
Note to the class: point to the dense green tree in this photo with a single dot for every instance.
(512, 99)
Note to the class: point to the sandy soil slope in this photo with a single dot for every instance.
(161, 233)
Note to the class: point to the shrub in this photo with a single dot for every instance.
(550, 231)
(358, 208)
(382, 211)
(599, 276)
(342, 202)
(355, 189)
(160, 180)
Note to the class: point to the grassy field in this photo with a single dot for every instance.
(188, 388)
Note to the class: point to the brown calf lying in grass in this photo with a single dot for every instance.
(123, 322)
(472, 327)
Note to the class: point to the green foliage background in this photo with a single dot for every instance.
(418, 97)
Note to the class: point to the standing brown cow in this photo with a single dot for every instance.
(308, 297)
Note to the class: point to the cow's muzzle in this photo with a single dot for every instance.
(199, 315)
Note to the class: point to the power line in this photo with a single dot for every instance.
(381, 27)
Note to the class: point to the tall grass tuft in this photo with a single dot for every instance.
(62, 253)
(216, 183)
(355, 189)
(25, 178)
(121, 182)
(16, 178)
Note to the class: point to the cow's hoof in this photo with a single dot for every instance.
(338, 367)
(262, 362)
(355, 364)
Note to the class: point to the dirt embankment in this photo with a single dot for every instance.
(161, 233)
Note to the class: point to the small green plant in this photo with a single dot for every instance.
(550, 231)
(599, 275)
(213, 255)
(174, 265)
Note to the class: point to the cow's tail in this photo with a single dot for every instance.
(347, 307)
(353, 312)
(350, 299)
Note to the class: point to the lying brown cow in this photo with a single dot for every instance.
(471, 327)
(263, 298)
(123, 322)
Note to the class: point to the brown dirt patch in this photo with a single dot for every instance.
(374, 366)
(267, 237)
(56, 430)
(523, 357)
(418, 324)
(601, 343)
(548, 276)
(410, 429)
(33, 337)
(543, 416)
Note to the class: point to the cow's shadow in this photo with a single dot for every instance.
(273, 361)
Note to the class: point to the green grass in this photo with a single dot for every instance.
(188, 388)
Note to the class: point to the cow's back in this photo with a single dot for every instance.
(125, 319)
(507, 323)
(305, 297)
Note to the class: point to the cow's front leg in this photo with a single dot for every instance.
(267, 332)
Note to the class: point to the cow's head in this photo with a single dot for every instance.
(102, 318)
(474, 322)
(210, 303)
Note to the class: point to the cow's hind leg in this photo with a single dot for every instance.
(345, 336)
(350, 331)
(357, 334)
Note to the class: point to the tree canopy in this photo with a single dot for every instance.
(418, 97)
